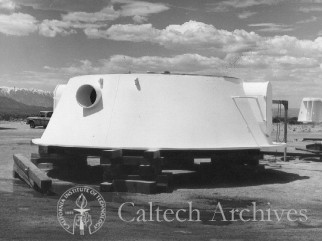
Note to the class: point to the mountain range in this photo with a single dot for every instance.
(17, 103)
(24, 102)
(32, 97)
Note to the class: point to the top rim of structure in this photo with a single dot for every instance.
(312, 98)
(167, 73)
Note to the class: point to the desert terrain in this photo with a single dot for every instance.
(293, 185)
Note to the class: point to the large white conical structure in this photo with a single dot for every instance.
(158, 111)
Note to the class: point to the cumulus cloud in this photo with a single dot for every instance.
(139, 19)
(308, 9)
(191, 34)
(7, 5)
(277, 62)
(50, 28)
(127, 32)
(18, 24)
(246, 14)
(189, 63)
(224, 6)
(272, 27)
(140, 8)
(288, 45)
(83, 67)
(106, 14)
(92, 23)
(125, 64)
(197, 37)
(308, 20)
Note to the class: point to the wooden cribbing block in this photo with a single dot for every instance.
(106, 187)
(164, 182)
(112, 171)
(153, 157)
(43, 150)
(134, 160)
(132, 177)
(31, 173)
(152, 154)
(59, 187)
(147, 172)
(45, 166)
(134, 186)
(162, 187)
(59, 160)
(111, 156)
(164, 178)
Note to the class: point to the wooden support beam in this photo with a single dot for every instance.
(111, 156)
(112, 153)
(312, 139)
(20, 173)
(59, 159)
(134, 186)
(300, 154)
(31, 174)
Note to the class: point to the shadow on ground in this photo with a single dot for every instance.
(235, 178)
(7, 128)
(208, 177)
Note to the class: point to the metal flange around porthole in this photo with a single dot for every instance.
(88, 95)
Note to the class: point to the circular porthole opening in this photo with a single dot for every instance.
(87, 96)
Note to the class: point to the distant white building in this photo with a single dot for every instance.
(310, 110)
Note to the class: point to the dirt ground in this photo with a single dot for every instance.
(293, 185)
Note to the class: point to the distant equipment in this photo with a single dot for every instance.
(41, 120)
(310, 110)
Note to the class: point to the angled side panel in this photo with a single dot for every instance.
(261, 103)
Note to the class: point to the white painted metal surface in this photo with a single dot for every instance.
(146, 111)
(260, 100)
(310, 110)
(58, 93)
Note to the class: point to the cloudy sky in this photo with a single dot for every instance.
(45, 42)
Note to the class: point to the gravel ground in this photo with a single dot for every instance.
(294, 185)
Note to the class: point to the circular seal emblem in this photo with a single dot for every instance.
(81, 210)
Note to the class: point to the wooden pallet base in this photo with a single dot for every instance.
(34, 171)
(123, 173)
